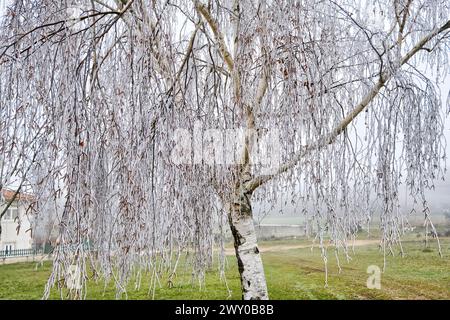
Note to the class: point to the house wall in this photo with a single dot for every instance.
(9, 235)
(273, 231)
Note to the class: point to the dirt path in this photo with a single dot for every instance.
(262, 248)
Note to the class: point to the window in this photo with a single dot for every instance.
(11, 213)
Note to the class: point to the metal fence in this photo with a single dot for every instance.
(46, 248)
(20, 253)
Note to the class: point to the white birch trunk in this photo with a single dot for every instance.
(251, 270)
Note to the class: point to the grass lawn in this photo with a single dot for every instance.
(291, 274)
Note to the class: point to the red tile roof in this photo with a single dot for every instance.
(9, 195)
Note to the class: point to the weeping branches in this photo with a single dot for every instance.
(93, 103)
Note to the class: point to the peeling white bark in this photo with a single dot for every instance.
(251, 270)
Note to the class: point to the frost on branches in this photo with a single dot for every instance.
(93, 95)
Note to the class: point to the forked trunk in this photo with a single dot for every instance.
(253, 280)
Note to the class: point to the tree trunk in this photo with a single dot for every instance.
(253, 280)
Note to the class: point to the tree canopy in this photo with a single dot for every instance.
(92, 94)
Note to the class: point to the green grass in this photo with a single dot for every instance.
(291, 274)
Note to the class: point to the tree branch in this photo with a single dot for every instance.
(385, 76)
(262, 84)
(203, 10)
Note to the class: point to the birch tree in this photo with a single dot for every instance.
(105, 108)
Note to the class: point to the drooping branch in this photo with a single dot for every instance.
(63, 25)
(384, 77)
(111, 102)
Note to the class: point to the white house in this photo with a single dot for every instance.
(12, 236)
